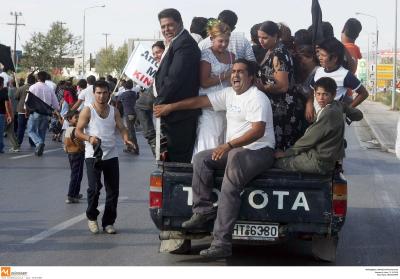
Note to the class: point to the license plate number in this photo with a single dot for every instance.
(255, 231)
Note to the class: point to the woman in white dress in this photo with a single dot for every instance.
(215, 72)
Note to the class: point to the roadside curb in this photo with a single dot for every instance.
(376, 134)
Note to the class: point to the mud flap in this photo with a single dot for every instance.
(175, 246)
(324, 248)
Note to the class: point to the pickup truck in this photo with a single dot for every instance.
(276, 205)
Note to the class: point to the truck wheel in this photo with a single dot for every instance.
(324, 248)
(176, 246)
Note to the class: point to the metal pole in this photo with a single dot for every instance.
(83, 44)
(368, 76)
(394, 58)
(376, 60)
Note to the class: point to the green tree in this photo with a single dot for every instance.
(111, 60)
(50, 50)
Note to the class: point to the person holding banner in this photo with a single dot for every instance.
(215, 67)
(177, 79)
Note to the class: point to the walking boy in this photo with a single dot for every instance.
(76, 156)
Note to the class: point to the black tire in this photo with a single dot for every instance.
(184, 249)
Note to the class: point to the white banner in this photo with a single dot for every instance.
(142, 66)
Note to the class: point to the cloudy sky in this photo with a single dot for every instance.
(125, 19)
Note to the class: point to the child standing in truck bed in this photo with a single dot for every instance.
(322, 145)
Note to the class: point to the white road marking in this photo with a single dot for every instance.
(45, 234)
(32, 154)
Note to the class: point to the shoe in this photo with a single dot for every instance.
(80, 196)
(1, 151)
(40, 149)
(14, 150)
(93, 226)
(198, 219)
(217, 252)
(110, 229)
(71, 200)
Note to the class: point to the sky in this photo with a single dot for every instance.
(125, 19)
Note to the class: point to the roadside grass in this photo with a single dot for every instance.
(386, 99)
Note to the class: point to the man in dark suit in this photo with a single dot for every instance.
(177, 78)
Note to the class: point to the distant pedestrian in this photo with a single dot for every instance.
(22, 117)
(11, 127)
(38, 123)
(75, 149)
(97, 126)
(398, 140)
(128, 101)
(86, 96)
(5, 112)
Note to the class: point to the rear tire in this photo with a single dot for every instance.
(176, 246)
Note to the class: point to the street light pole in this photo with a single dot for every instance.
(394, 58)
(83, 37)
(106, 34)
(376, 50)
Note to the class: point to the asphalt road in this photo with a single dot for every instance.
(37, 228)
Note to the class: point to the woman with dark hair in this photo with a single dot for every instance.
(276, 79)
(259, 51)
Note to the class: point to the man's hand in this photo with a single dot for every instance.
(162, 110)
(9, 119)
(93, 140)
(129, 143)
(279, 154)
(220, 151)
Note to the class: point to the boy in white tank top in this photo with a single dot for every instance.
(97, 125)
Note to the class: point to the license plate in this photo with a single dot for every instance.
(255, 231)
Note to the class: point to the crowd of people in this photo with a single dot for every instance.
(224, 102)
(279, 101)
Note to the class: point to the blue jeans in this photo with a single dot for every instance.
(37, 127)
(2, 126)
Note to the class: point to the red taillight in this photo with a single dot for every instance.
(156, 191)
(339, 203)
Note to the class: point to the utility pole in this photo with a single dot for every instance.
(106, 34)
(61, 23)
(16, 24)
(394, 59)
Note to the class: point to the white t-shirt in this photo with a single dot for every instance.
(87, 96)
(6, 78)
(241, 111)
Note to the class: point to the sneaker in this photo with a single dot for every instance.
(217, 252)
(14, 150)
(110, 229)
(93, 226)
(198, 219)
(70, 200)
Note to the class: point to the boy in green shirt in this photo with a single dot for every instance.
(322, 145)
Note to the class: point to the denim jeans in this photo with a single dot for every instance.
(37, 127)
(76, 162)
(145, 117)
(22, 122)
(130, 123)
(2, 126)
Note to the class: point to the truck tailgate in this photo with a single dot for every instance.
(274, 196)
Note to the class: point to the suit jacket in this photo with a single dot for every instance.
(178, 77)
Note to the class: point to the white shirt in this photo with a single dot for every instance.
(51, 84)
(238, 45)
(398, 140)
(87, 96)
(241, 111)
(45, 93)
(6, 78)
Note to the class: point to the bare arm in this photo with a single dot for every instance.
(9, 112)
(362, 95)
(281, 78)
(83, 121)
(190, 103)
(256, 132)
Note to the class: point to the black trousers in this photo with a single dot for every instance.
(181, 136)
(76, 162)
(110, 170)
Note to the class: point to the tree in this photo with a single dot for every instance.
(111, 60)
(48, 51)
